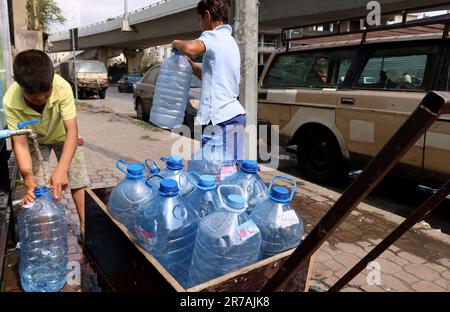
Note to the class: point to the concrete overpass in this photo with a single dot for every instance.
(170, 19)
(161, 23)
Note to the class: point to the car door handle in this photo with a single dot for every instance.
(348, 101)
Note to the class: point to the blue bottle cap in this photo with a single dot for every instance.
(249, 166)
(236, 202)
(174, 162)
(207, 182)
(136, 170)
(280, 194)
(40, 191)
(168, 187)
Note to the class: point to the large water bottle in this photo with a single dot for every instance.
(227, 240)
(212, 159)
(130, 195)
(281, 226)
(43, 244)
(175, 170)
(255, 191)
(204, 198)
(171, 92)
(167, 228)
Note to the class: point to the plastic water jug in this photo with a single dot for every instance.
(212, 159)
(167, 227)
(171, 92)
(43, 244)
(255, 191)
(280, 225)
(204, 198)
(130, 195)
(175, 170)
(227, 240)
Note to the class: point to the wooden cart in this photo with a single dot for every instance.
(122, 265)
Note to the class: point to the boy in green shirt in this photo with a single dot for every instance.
(40, 94)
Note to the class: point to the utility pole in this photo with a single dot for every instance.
(246, 34)
(126, 17)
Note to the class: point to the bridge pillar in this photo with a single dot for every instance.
(102, 56)
(134, 60)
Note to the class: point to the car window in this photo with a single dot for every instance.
(322, 69)
(394, 72)
(151, 76)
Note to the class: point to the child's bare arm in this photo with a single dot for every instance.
(25, 164)
(59, 179)
(191, 48)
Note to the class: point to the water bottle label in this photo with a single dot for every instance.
(289, 218)
(227, 171)
(143, 235)
(247, 230)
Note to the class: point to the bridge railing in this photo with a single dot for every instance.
(119, 17)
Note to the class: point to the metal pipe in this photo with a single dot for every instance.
(433, 105)
(416, 217)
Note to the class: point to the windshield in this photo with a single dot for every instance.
(90, 67)
(134, 79)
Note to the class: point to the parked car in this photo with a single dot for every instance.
(144, 91)
(341, 102)
(126, 83)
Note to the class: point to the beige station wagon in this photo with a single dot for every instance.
(343, 101)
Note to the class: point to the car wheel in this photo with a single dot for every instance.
(319, 156)
(119, 89)
(102, 94)
(141, 115)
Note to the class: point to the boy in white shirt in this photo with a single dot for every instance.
(220, 75)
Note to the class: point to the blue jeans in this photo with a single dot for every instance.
(233, 134)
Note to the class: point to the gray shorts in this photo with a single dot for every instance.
(78, 176)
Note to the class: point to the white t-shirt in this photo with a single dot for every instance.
(221, 75)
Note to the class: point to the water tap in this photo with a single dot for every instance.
(4, 134)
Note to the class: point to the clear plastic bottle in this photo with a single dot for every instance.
(227, 240)
(255, 191)
(171, 92)
(43, 244)
(130, 195)
(175, 170)
(167, 227)
(280, 225)
(204, 199)
(212, 159)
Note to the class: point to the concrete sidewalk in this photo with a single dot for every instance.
(419, 261)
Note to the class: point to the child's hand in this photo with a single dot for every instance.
(29, 196)
(58, 182)
(196, 69)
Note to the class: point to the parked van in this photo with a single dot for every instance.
(92, 77)
(343, 101)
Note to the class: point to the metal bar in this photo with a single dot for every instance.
(374, 29)
(396, 12)
(433, 105)
(417, 216)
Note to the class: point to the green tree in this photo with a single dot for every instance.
(148, 62)
(43, 13)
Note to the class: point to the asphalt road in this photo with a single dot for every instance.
(121, 103)
(394, 194)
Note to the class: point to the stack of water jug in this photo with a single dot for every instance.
(42, 244)
(200, 223)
